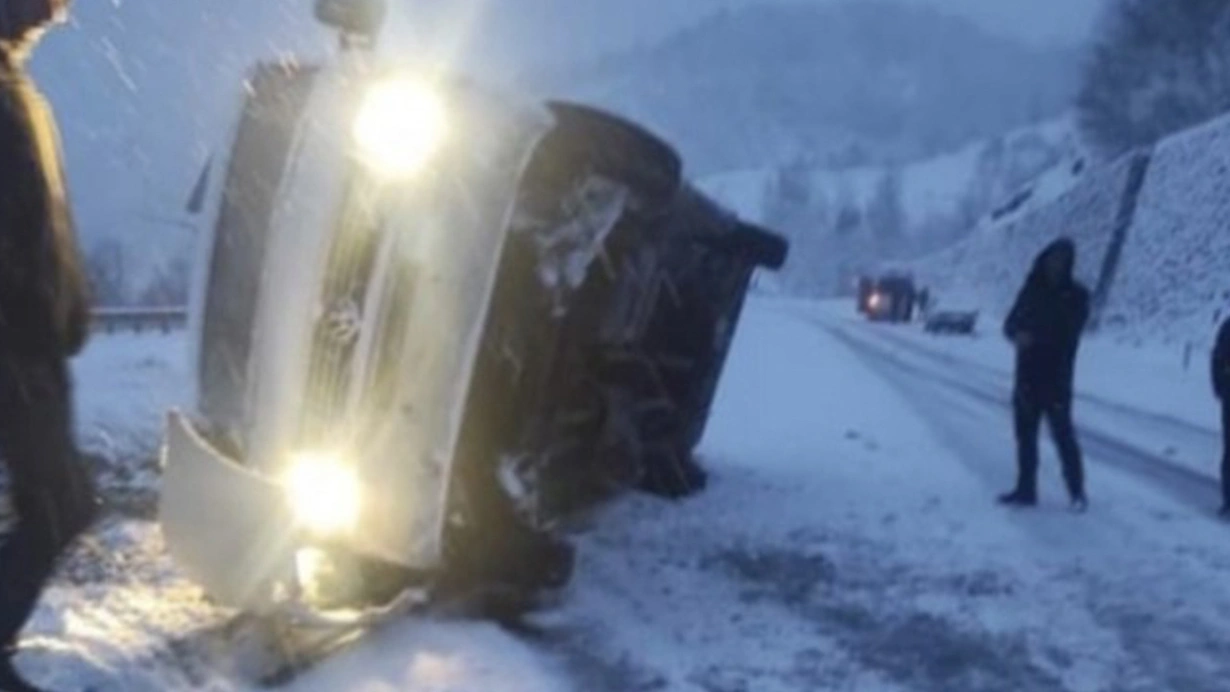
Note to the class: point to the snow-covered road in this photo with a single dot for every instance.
(849, 541)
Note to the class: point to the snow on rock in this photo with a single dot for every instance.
(1153, 230)
(992, 263)
(1174, 283)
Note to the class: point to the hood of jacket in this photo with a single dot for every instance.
(1065, 249)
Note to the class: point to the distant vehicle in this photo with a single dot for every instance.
(951, 322)
(888, 298)
(952, 314)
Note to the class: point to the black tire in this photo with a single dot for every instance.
(510, 557)
(760, 247)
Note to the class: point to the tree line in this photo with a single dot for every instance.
(1156, 67)
(111, 278)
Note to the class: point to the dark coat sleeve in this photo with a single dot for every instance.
(1077, 318)
(44, 302)
(1013, 324)
(1221, 362)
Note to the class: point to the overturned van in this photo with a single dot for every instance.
(432, 322)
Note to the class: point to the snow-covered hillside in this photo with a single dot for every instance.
(931, 189)
(992, 262)
(872, 79)
(841, 221)
(1155, 250)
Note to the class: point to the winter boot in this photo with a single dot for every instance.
(1080, 503)
(1018, 498)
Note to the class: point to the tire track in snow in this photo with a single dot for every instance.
(1201, 444)
(1185, 484)
(789, 599)
(997, 375)
(1167, 618)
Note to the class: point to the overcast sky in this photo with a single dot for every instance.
(506, 31)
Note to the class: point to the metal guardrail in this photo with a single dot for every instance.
(109, 320)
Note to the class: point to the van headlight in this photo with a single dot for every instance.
(400, 123)
(323, 493)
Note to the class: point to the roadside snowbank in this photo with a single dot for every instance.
(124, 386)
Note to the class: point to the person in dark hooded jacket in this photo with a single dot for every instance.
(43, 323)
(1221, 386)
(1045, 324)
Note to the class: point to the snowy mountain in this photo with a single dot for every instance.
(841, 221)
(847, 82)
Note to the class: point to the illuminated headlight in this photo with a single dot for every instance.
(400, 124)
(875, 300)
(323, 493)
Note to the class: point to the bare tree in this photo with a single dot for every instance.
(169, 285)
(105, 268)
(849, 215)
(885, 214)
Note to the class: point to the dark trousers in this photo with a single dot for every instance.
(1225, 459)
(1029, 413)
(51, 489)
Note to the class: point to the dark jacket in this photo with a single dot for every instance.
(1221, 363)
(1053, 315)
(44, 302)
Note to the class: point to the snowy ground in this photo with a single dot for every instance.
(848, 542)
(125, 383)
(1163, 391)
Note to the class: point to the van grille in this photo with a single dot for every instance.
(335, 339)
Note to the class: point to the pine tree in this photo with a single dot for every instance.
(105, 271)
(886, 215)
(169, 285)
